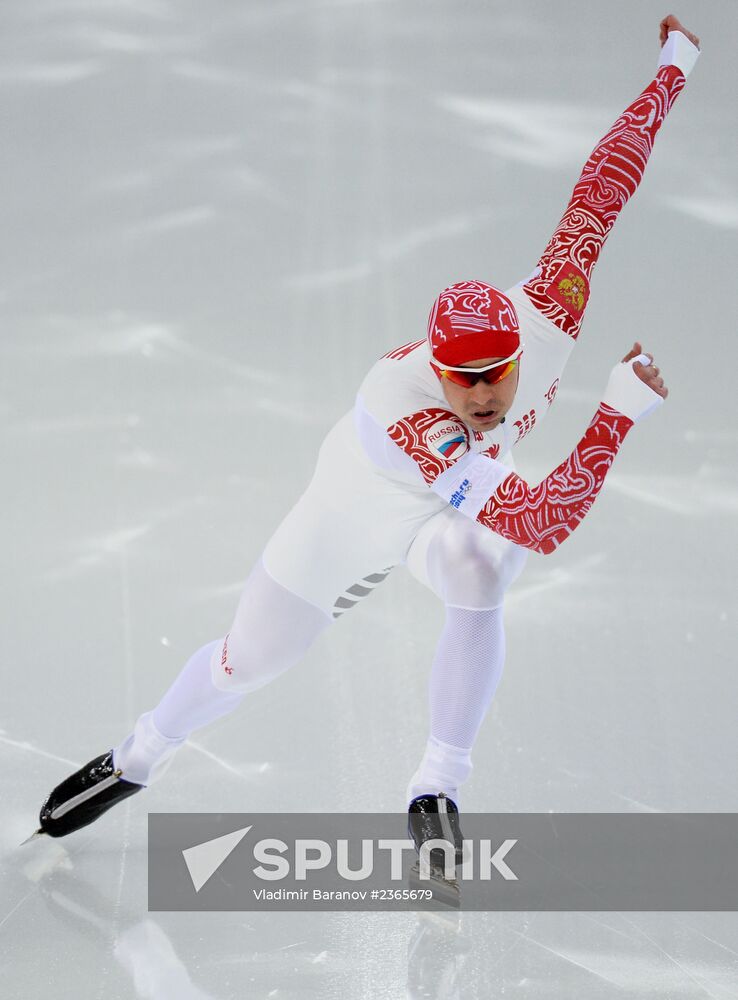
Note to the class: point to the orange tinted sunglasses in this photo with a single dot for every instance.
(491, 374)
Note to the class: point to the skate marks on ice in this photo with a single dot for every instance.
(721, 212)
(103, 550)
(264, 956)
(651, 955)
(544, 134)
(99, 32)
(97, 552)
(657, 962)
(705, 492)
(390, 251)
(26, 747)
(16, 827)
(50, 74)
(184, 218)
(84, 913)
(247, 771)
(556, 578)
(121, 334)
(646, 955)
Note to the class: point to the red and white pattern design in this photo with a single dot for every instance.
(224, 656)
(398, 353)
(472, 320)
(541, 517)
(420, 434)
(525, 424)
(609, 178)
(551, 392)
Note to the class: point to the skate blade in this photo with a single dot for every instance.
(444, 890)
(34, 836)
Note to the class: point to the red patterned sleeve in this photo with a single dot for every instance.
(541, 517)
(610, 176)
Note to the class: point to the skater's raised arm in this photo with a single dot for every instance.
(538, 517)
(559, 287)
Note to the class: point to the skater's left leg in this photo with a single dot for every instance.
(272, 630)
(192, 701)
(470, 569)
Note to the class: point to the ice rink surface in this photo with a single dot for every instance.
(215, 218)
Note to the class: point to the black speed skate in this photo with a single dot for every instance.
(84, 796)
(436, 817)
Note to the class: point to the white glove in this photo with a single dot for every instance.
(628, 394)
(678, 51)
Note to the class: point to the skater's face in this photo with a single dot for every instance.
(482, 405)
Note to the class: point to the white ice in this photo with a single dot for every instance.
(216, 217)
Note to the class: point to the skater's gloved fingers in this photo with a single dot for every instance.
(646, 373)
(679, 47)
(634, 389)
(660, 390)
(649, 374)
(672, 23)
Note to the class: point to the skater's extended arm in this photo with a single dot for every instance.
(559, 287)
(541, 517)
(537, 517)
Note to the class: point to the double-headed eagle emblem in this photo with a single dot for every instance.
(573, 288)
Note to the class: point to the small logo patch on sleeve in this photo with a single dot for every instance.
(447, 439)
(570, 289)
(434, 438)
(459, 496)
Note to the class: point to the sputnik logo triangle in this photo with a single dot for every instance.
(203, 860)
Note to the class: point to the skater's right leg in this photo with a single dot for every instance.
(272, 630)
(470, 570)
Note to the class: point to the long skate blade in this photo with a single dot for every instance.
(34, 836)
(444, 890)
